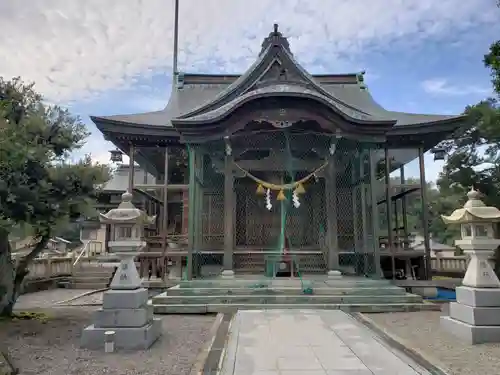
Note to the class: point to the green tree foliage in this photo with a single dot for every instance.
(438, 205)
(39, 188)
(474, 156)
(492, 61)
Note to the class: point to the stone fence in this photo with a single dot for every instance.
(453, 265)
(50, 267)
(46, 268)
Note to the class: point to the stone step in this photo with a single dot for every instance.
(92, 274)
(88, 285)
(283, 282)
(94, 270)
(370, 291)
(91, 279)
(261, 269)
(359, 307)
(163, 299)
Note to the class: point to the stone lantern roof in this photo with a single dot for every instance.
(473, 210)
(126, 212)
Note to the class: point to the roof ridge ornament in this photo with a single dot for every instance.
(474, 199)
(473, 210)
(275, 38)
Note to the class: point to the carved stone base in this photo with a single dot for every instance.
(471, 334)
(128, 315)
(478, 297)
(126, 338)
(475, 317)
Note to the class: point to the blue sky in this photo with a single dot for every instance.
(114, 57)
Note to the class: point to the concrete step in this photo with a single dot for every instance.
(163, 299)
(363, 308)
(370, 291)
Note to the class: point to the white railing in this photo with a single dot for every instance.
(450, 264)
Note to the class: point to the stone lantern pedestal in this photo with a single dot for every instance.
(125, 316)
(475, 317)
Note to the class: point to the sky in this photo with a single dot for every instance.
(110, 57)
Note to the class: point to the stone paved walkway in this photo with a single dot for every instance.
(308, 342)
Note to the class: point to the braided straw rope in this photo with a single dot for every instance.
(291, 185)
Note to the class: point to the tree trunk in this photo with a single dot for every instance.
(13, 277)
(7, 275)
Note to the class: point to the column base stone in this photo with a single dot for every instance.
(227, 274)
(334, 274)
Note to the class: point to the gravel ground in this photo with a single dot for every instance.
(421, 331)
(90, 300)
(46, 298)
(53, 348)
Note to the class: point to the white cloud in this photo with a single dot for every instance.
(440, 86)
(74, 49)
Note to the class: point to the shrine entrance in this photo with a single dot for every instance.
(261, 216)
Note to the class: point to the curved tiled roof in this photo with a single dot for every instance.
(203, 100)
(284, 89)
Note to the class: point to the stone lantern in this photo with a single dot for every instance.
(116, 156)
(125, 310)
(476, 315)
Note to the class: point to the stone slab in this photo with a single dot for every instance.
(478, 297)
(469, 333)
(228, 308)
(323, 291)
(106, 318)
(124, 299)
(140, 338)
(476, 316)
(285, 299)
(321, 342)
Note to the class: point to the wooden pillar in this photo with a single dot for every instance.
(374, 214)
(199, 160)
(364, 217)
(191, 213)
(185, 211)
(228, 215)
(165, 204)
(404, 209)
(388, 210)
(131, 156)
(396, 223)
(425, 215)
(354, 194)
(145, 200)
(331, 218)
